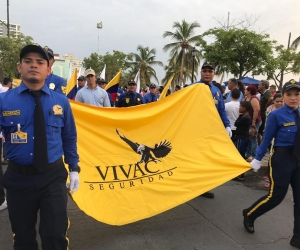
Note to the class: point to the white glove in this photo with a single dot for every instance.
(228, 129)
(74, 182)
(255, 164)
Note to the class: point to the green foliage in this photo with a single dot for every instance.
(114, 62)
(286, 61)
(10, 54)
(144, 60)
(180, 49)
(239, 51)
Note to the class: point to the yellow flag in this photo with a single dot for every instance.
(164, 92)
(72, 83)
(140, 161)
(16, 82)
(115, 80)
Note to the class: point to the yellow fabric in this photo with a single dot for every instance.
(16, 81)
(164, 92)
(115, 80)
(201, 157)
(72, 82)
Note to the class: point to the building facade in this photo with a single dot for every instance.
(14, 29)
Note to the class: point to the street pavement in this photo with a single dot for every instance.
(202, 223)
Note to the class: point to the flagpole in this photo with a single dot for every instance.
(99, 26)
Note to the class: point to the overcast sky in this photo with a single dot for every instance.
(70, 26)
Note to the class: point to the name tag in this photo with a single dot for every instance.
(289, 124)
(18, 137)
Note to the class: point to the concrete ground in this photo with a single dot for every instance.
(201, 223)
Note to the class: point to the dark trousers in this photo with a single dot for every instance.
(241, 145)
(2, 194)
(284, 170)
(28, 194)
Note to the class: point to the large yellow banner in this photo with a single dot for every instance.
(141, 161)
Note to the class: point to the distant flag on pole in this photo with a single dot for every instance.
(70, 72)
(81, 71)
(71, 88)
(166, 87)
(113, 85)
(138, 82)
(102, 75)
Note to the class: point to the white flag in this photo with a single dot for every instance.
(138, 82)
(70, 72)
(102, 75)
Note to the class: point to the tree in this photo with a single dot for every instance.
(94, 61)
(296, 42)
(184, 42)
(286, 61)
(114, 62)
(10, 48)
(144, 60)
(239, 51)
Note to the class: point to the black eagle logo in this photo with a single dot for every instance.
(159, 150)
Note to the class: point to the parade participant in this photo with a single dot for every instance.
(235, 84)
(283, 125)
(91, 93)
(130, 98)
(39, 129)
(81, 82)
(207, 75)
(102, 84)
(54, 82)
(177, 88)
(151, 96)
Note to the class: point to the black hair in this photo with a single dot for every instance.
(246, 105)
(177, 87)
(6, 80)
(235, 93)
(277, 95)
(219, 86)
(241, 87)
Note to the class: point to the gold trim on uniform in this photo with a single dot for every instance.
(289, 124)
(127, 100)
(11, 113)
(63, 89)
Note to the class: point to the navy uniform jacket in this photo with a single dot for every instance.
(56, 83)
(148, 98)
(124, 100)
(281, 125)
(17, 107)
(219, 102)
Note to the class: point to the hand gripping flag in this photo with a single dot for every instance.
(140, 161)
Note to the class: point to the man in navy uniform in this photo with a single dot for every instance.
(54, 82)
(130, 98)
(39, 129)
(151, 96)
(207, 75)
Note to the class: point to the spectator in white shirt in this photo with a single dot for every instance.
(232, 109)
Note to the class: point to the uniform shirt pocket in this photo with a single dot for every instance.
(10, 121)
(287, 134)
(55, 123)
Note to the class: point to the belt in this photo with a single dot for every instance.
(30, 169)
(283, 149)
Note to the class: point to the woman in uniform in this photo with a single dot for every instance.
(283, 125)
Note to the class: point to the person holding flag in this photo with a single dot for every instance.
(207, 75)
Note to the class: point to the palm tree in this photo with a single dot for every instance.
(184, 41)
(296, 42)
(144, 60)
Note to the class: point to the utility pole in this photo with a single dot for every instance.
(8, 18)
(99, 26)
